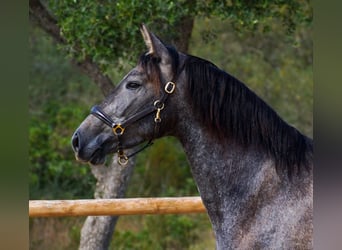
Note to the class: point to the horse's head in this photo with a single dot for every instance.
(139, 108)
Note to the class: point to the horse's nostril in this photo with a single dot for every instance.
(75, 142)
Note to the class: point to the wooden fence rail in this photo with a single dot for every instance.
(127, 206)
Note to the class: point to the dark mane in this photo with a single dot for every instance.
(231, 110)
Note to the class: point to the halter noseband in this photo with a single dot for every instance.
(119, 128)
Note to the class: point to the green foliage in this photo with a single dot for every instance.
(171, 232)
(55, 110)
(251, 15)
(108, 31)
(130, 240)
(53, 172)
(162, 170)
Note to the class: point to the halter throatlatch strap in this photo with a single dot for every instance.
(119, 128)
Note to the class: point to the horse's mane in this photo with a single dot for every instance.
(229, 109)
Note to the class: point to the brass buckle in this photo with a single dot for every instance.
(170, 87)
(118, 130)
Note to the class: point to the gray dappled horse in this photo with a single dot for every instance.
(252, 169)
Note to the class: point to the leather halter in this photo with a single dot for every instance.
(119, 128)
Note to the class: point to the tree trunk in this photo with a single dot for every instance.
(184, 30)
(112, 182)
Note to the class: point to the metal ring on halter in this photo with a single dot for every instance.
(158, 105)
(122, 159)
(118, 130)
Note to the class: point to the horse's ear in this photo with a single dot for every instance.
(154, 44)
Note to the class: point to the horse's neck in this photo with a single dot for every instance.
(234, 183)
(225, 171)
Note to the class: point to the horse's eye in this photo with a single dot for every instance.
(133, 85)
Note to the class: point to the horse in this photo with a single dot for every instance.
(253, 171)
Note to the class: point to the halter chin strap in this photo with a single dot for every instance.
(119, 128)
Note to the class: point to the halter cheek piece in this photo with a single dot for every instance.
(119, 128)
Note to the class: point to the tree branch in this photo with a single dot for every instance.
(43, 18)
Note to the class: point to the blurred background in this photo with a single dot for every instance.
(275, 61)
